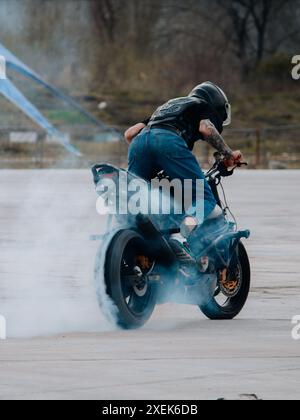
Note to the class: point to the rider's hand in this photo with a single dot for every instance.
(132, 132)
(235, 158)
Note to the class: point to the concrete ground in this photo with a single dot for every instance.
(46, 263)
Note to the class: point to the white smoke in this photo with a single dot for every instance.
(47, 259)
(108, 308)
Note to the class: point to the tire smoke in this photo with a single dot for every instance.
(47, 259)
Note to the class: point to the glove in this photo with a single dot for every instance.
(236, 157)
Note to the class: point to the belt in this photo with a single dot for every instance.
(166, 127)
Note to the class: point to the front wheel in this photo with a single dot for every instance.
(232, 289)
(126, 267)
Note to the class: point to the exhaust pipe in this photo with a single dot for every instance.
(158, 244)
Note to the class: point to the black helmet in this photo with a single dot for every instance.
(216, 98)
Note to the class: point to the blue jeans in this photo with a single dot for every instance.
(154, 150)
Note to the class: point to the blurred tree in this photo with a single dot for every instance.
(106, 14)
(142, 20)
(251, 24)
(161, 46)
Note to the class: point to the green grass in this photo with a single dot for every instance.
(266, 109)
(61, 116)
(253, 109)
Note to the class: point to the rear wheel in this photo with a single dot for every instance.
(232, 289)
(126, 268)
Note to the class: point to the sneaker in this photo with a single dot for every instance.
(181, 249)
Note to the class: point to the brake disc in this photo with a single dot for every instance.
(230, 284)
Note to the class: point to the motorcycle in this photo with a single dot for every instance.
(136, 267)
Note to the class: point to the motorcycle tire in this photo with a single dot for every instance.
(235, 303)
(133, 306)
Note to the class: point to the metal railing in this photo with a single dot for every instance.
(267, 147)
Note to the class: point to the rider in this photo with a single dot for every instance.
(166, 140)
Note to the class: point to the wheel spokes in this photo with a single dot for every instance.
(135, 283)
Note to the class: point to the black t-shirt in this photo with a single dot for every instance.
(185, 115)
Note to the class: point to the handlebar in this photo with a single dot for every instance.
(218, 158)
(220, 167)
(240, 164)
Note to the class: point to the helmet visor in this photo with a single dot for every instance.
(228, 114)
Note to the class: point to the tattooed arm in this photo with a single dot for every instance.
(214, 138)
